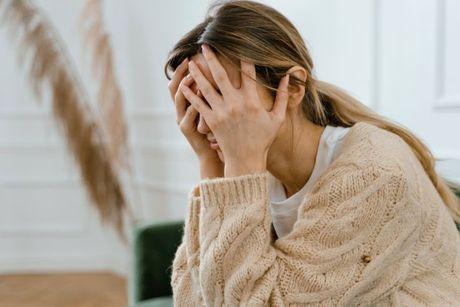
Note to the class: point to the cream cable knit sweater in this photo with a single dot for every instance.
(374, 231)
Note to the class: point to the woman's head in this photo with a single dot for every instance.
(253, 32)
(235, 77)
(256, 33)
(250, 31)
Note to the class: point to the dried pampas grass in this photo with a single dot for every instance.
(51, 69)
(109, 96)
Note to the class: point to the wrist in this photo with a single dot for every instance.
(210, 169)
(239, 168)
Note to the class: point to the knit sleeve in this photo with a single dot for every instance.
(351, 244)
(184, 276)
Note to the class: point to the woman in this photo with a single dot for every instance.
(307, 196)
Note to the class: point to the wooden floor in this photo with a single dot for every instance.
(63, 290)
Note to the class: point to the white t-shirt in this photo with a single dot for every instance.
(284, 210)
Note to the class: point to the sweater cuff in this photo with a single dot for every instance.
(191, 225)
(194, 193)
(229, 192)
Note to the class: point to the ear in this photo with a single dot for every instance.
(296, 91)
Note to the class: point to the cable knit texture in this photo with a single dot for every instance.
(373, 231)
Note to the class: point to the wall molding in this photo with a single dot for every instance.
(58, 145)
(75, 183)
(38, 183)
(376, 64)
(168, 187)
(173, 150)
(443, 101)
(55, 231)
(446, 154)
(46, 112)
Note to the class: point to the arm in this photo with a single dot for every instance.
(351, 244)
(184, 277)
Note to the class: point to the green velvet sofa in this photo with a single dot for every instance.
(153, 252)
(154, 246)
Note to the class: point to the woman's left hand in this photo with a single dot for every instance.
(241, 125)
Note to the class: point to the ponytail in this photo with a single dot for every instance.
(341, 109)
(270, 41)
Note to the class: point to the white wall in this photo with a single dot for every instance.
(419, 70)
(399, 57)
(46, 222)
(340, 37)
(386, 53)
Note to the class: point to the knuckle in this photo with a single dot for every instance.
(182, 81)
(280, 118)
(206, 88)
(220, 77)
(234, 110)
(177, 96)
(217, 120)
(184, 127)
(172, 87)
(251, 106)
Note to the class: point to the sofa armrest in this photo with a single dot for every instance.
(153, 249)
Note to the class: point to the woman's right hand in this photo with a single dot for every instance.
(186, 117)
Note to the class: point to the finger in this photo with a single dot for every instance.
(201, 96)
(248, 76)
(177, 76)
(196, 101)
(217, 70)
(206, 88)
(188, 122)
(281, 100)
(179, 98)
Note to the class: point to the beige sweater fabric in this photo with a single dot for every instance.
(373, 231)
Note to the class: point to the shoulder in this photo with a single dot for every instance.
(367, 145)
(365, 184)
(368, 155)
(363, 179)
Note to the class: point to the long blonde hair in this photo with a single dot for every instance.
(257, 33)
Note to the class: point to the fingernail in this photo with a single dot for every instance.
(191, 65)
(204, 48)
